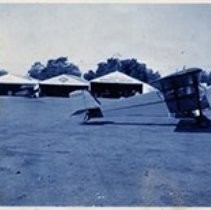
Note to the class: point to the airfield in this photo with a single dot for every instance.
(49, 158)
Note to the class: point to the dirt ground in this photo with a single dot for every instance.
(48, 159)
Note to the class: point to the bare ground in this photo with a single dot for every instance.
(47, 158)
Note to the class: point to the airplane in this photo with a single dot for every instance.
(178, 95)
(184, 95)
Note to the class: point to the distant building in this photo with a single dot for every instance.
(62, 85)
(15, 85)
(118, 84)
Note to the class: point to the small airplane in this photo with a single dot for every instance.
(179, 95)
(184, 95)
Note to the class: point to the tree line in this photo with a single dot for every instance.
(53, 68)
(61, 65)
(132, 67)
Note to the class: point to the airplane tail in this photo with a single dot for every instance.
(86, 105)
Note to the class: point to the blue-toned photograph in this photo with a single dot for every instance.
(105, 105)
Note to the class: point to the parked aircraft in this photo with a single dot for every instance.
(180, 94)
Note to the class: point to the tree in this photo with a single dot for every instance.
(130, 67)
(36, 70)
(89, 75)
(3, 72)
(53, 68)
(151, 76)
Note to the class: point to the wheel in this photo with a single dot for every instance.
(86, 116)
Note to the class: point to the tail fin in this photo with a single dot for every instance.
(86, 104)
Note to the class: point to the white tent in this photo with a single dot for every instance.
(62, 85)
(148, 88)
(119, 82)
(16, 85)
(121, 78)
(11, 79)
(66, 80)
(116, 77)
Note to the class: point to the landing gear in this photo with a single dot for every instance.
(92, 113)
(87, 116)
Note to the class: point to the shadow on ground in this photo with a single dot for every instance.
(127, 123)
(191, 126)
(181, 126)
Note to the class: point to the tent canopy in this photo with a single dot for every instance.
(16, 80)
(116, 77)
(65, 80)
(121, 78)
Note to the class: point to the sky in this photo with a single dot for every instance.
(165, 37)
